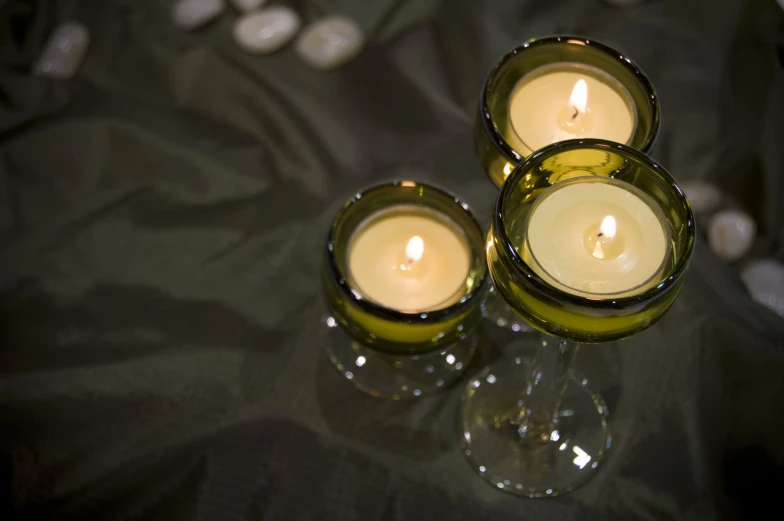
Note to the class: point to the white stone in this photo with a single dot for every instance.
(731, 234)
(765, 281)
(267, 30)
(247, 5)
(192, 14)
(330, 42)
(704, 197)
(64, 52)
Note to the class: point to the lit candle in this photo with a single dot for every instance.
(597, 237)
(568, 101)
(410, 259)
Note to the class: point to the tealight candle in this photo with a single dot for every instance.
(410, 259)
(597, 237)
(568, 101)
(594, 258)
(404, 275)
(558, 88)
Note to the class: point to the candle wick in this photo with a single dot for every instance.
(576, 112)
(600, 234)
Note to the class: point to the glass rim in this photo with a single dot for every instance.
(354, 296)
(495, 135)
(669, 279)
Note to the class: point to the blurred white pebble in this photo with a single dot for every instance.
(248, 5)
(765, 281)
(330, 42)
(266, 31)
(704, 197)
(64, 52)
(731, 234)
(192, 14)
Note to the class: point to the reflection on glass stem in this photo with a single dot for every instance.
(537, 421)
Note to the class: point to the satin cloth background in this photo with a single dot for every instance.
(162, 217)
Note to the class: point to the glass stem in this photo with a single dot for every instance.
(550, 373)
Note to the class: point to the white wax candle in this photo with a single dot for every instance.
(568, 101)
(409, 258)
(597, 237)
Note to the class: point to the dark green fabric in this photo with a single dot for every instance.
(162, 218)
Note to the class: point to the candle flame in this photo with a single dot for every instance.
(608, 227)
(415, 248)
(579, 98)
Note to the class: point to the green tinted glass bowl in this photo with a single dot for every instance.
(584, 319)
(388, 329)
(497, 155)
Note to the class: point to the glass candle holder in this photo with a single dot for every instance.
(508, 128)
(526, 89)
(392, 343)
(533, 429)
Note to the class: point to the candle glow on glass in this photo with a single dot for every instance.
(410, 259)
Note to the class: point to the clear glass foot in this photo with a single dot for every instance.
(496, 310)
(515, 453)
(386, 375)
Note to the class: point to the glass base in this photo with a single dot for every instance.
(386, 375)
(496, 310)
(491, 404)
